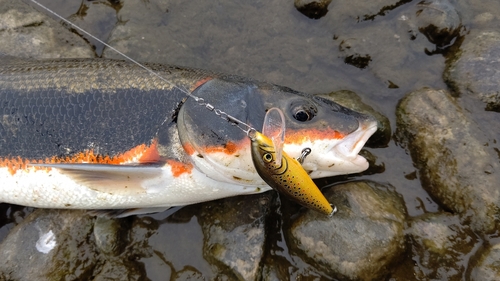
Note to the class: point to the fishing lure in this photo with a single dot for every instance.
(282, 172)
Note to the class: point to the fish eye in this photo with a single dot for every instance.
(303, 111)
(267, 157)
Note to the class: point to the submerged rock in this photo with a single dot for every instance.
(108, 235)
(475, 69)
(48, 245)
(488, 265)
(438, 20)
(440, 247)
(361, 241)
(456, 165)
(26, 32)
(313, 9)
(234, 231)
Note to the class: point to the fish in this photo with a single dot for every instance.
(105, 134)
(287, 176)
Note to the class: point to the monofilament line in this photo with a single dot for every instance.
(200, 101)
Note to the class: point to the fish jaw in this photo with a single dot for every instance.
(336, 156)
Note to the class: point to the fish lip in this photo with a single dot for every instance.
(352, 144)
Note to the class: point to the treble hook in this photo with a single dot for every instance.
(306, 151)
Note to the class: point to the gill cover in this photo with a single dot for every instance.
(288, 177)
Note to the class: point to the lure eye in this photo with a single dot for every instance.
(303, 112)
(267, 157)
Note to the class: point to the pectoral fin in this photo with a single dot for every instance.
(121, 213)
(114, 179)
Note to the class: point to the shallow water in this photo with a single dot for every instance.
(272, 41)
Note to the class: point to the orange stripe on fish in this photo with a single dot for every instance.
(188, 148)
(301, 136)
(179, 168)
(142, 154)
(230, 148)
(199, 83)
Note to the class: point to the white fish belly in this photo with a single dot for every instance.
(53, 189)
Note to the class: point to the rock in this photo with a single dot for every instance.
(313, 9)
(50, 245)
(120, 270)
(440, 246)
(487, 266)
(438, 20)
(188, 274)
(234, 231)
(98, 19)
(351, 100)
(122, 244)
(456, 165)
(361, 241)
(109, 234)
(26, 32)
(475, 69)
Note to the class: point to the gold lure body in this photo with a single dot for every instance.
(288, 177)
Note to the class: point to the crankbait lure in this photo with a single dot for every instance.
(282, 172)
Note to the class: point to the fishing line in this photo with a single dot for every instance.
(246, 128)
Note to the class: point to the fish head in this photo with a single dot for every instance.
(221, 149)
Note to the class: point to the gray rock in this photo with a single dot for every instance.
(488, 265)
(313, 9)
(475, 69)
(438, 20)
(234, 231)
(122, 243)
(26, 32)
(361, 241)
(456, 164)
(108, 235)
(351, 100)
(47, 245)
(188, 274)
(440, 246)
(120, 270)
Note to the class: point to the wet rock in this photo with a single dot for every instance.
(440, 247)
(311, 8)
(475, 69)
(188, 273)
(361, 240)
(26, 32)
(122, 244)
(456, 165)
(351, 100)
(234, 231)
(97, 18)
(438, 20)
(120, 270)
(108, 234)
(488, 265)
(50, 245)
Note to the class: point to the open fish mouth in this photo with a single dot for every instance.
(331, 158)
(352, 144)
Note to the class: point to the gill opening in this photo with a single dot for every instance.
(246, 128)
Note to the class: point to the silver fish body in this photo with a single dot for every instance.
(105, 134)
